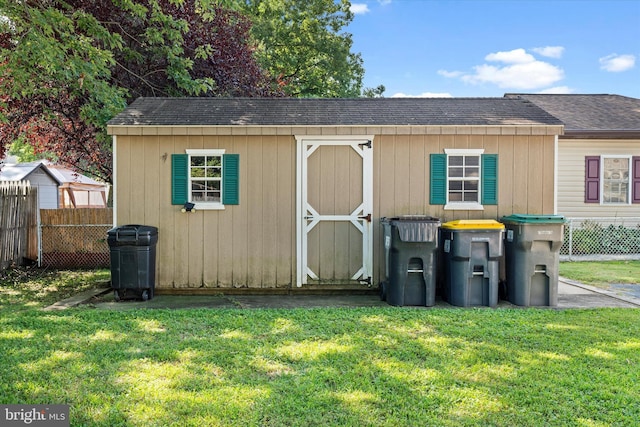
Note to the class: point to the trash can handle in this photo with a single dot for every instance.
(120, 229)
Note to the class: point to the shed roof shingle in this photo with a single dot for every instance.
(332, 112)
(590, 113)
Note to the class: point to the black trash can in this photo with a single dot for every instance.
(410, 249)
(132, 250)
(471, 258)
(532, 255)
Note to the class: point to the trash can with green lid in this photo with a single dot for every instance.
(410, 250)
(132, 250)
(532, 254)
(471, 251)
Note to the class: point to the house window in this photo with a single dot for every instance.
(207, 178)
(615, 180)
(612, 179)
(464, 179)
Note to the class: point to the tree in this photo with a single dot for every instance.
(303, 45)
(374, 92)
(67, 67)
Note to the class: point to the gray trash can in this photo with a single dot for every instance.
(410, 250)
(132, 250)
(532, 254)
(471, 259)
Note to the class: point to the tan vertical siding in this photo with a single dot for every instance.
(253, 244)
(571, 154)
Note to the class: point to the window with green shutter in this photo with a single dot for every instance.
(207, 178)
(464, 179)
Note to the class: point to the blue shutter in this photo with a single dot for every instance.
(179, 178)
(489, 179)
(438, 185)
(231, 179)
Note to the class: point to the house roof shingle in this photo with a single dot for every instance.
(332, 112)
(596, 113)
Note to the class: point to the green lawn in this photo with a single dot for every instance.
(602, 273)
(318, 367)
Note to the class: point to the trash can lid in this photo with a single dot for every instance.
(469, 224)
(533, 219)
(411, 218)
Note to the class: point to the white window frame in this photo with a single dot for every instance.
(206, 152)
(467, 206)
(602, 178)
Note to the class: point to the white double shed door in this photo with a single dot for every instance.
(334, 200)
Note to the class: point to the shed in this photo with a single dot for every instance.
(38, 175)
(598, 154)
(58, 187)
(288, 193)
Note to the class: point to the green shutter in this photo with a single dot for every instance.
(179, 178)
(438, 193)
(231, 179)
(489, 179)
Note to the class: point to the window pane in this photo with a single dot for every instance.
(472, 160)
(197, 172)
(471, 196)
(471, 185)
(197, 161)
(456, 160)
(197, 185)
(214, 173)
(455, 185)
(472, 172)
(213, 161)
(455, 197)
(456, 172)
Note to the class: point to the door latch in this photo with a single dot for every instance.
(367, 217)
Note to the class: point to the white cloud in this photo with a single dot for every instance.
(520, 71)
(558, 90)
(359, 8)
(616, 63)
(384, 2)
(450, 74)
(423, 95)
(516, 56)
(549, 51)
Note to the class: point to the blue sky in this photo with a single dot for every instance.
(481, 48)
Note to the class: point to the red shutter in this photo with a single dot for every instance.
(635, 179)
(592, 179)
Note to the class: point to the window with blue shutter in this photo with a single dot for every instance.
(463, 179)
(207, 178)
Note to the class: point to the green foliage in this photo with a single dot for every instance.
(594, 239)
(304, 46)
(376, 92)
(23, 151)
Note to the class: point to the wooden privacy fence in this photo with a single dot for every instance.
(18, 223)
(75, 238)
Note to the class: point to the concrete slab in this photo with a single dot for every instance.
(570, 295)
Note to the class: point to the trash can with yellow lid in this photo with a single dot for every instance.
(532, 257)
(471, 252)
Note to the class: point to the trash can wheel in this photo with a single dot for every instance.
(383, 291)
(145, 295)
(117, 296)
